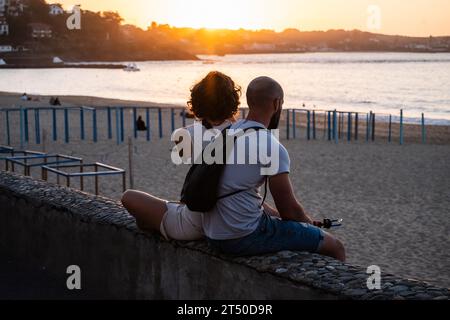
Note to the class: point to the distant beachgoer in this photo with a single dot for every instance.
(54, 101)
(25, 97)
(141, 124)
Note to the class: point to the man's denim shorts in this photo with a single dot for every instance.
(273, 235)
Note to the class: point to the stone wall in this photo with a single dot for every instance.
(54, 227)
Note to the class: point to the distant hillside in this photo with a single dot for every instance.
(39, 29)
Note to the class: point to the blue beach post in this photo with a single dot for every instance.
(147, 118)
(160, 123)
(294, 134)
(66, 125)
(94, 124)
(401, 126)
(335, 133)
(108, 111)
(184, 117)
(172, 119)
(390, 129)
(368, 125)
(134, 123)
(25, 120)
(308, 125)
(21, 128)
(55, 130)
(329, 125)
(117, 126)
(424, 137)
(8, 134)
(373, 126)
(37, 126)
(356, 125)
(287, 124)
(122, 125)
(349, 127)
(82, 133)
(314, 124)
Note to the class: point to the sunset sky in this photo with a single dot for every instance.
(413, 17)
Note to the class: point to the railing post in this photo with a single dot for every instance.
(294, 134)
(160, 123)
(108, 110)
(147, 118)
(349, 127)
(37, 126)
(172, 119)
(94, 124)
(329, 125)
(82, 131)
(308, 125)
(8, 133)
(401, 127)
(25, 120)
(356, 125)
(66, 125)
(368, 126)
(373, 126)
(122, 126)
(424, 137)
(184, 117)
(287, 124)
(390, 129)
(55, 130)
(335, 133)
(117, 113)
(134, 123)
(21, 128)
(314, 124)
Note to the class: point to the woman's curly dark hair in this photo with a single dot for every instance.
(215, 98)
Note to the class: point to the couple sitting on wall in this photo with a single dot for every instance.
(240, 222)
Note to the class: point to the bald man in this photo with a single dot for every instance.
(242, 224)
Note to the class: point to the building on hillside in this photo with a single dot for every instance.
(40, 30)
(4, 27)
(55, 9)
(3, 5)
(16, 7)
(6, 48)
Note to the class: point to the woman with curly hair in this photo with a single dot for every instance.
(215, 103)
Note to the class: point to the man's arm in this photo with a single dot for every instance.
(271, 211)
(287, 204)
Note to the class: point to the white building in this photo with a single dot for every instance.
(3, 5)
(4, 27)
(6, 48)
(16, 7)
(55, 9)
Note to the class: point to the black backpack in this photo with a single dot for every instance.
(201, 185)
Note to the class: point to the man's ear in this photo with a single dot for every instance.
(276, 105)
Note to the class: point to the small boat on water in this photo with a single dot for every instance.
(131, 67)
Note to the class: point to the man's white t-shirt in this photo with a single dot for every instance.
(238, 215)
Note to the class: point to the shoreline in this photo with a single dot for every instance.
(435, 133)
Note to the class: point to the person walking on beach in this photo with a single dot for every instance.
(215, 102)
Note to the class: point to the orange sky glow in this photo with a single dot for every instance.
(413, 17)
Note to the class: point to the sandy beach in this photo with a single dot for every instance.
(394, 199)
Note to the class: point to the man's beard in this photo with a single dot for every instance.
(275, 121)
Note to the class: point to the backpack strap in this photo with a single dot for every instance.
(242, 190)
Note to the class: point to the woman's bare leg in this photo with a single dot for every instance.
(147, 209)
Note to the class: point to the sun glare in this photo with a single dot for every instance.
(211, 14)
